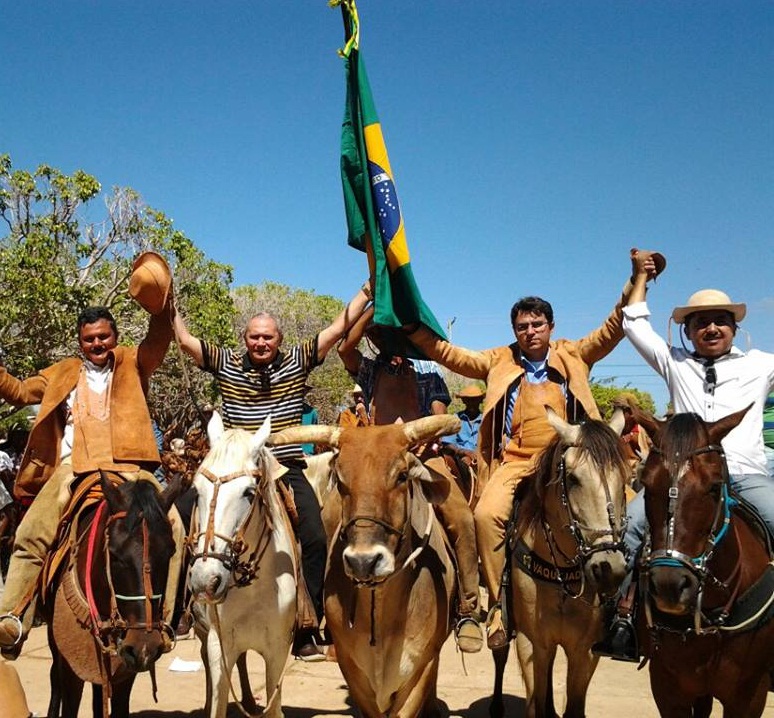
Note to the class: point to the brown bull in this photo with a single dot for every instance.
(390, 583)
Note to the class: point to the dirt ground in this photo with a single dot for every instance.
(318, 689)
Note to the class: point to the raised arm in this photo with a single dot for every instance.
(190, 344)
(349, 354)
(343, 322)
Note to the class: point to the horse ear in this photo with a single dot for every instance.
(173, 489)
(568, 433)
(719, 429)
(258, 440)
(647, 421)
(215, 428)
(617, 421)
(111, 493)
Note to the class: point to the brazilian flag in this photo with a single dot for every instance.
(371, 202)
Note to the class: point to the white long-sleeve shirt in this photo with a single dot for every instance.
(742, 379)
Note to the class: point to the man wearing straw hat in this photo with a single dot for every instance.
(713, 379)
(93, 415)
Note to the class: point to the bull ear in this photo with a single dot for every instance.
(617, 421)
(568, 433)
(215, 428)
(435, 487)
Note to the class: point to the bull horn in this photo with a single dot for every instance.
(430, 427)
(308, 434)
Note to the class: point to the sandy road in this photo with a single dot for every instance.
(318, 689)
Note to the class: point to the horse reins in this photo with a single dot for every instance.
(583, 549)
(244, 572)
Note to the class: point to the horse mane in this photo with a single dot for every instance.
(683, 433)
(143, 499)
(596, 439)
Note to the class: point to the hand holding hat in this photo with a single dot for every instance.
(648, 262)
(151, 282)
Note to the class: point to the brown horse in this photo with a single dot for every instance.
(706, 577)
(566, 556)
(104, 608)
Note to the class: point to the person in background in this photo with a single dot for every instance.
(309, 415)
(399, 389)
(466, 439)
(636, 441)
(357, 413)
(768, 433)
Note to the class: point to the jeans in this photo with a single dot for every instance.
(756, 489)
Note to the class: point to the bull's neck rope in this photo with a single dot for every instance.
(579, 531)
(670, 557)
(244, 572)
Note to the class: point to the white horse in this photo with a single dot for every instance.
(243, 571)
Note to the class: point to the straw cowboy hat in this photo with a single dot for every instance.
(471, 391)
(13, 702)
(706, 299)
(150, 282)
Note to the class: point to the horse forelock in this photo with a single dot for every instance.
(596, 440)
(683, 434)
(232, 452)
(143, 498)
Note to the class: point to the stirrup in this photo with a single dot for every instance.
(468, 643)
(20, 636)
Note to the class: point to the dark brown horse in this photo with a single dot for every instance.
(104, 609)
(706, 579)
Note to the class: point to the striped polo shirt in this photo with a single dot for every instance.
(251, 393)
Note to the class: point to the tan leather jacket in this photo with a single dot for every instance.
(132, 432)
(501, 367)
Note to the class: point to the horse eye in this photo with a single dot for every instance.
(572, 479)
(249, 493)
(714, 490)
(402, 477)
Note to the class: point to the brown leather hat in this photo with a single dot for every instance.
(13, 702)
(471, 391)
(150, 282)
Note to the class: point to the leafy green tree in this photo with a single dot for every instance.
(605, 391)
(54, 263)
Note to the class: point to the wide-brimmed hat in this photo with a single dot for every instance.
(150, 282)
(707, 299)
(357, 389)
(471, 391)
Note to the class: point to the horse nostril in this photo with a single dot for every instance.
(685, 584)
(213, 584)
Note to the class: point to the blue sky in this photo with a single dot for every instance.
(532, 143)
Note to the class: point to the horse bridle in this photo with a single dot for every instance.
(243, 571)
(670, 556)
(583, 549)
(106, 632)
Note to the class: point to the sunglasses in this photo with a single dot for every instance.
(710, 379)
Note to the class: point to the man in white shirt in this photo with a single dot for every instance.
(714, 380)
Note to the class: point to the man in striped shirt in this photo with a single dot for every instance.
(267, 380)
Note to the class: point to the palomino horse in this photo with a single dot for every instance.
(243, 570)
(105, 621)
(390, 582)
(706, 578)
(566, 557)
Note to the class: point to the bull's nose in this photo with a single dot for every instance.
(367, 565)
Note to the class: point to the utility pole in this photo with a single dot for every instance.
(449, 325)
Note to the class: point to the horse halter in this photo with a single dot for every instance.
(615, 530)
(244, 572)
(107, 631)
(669, 556)
(402, 533)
